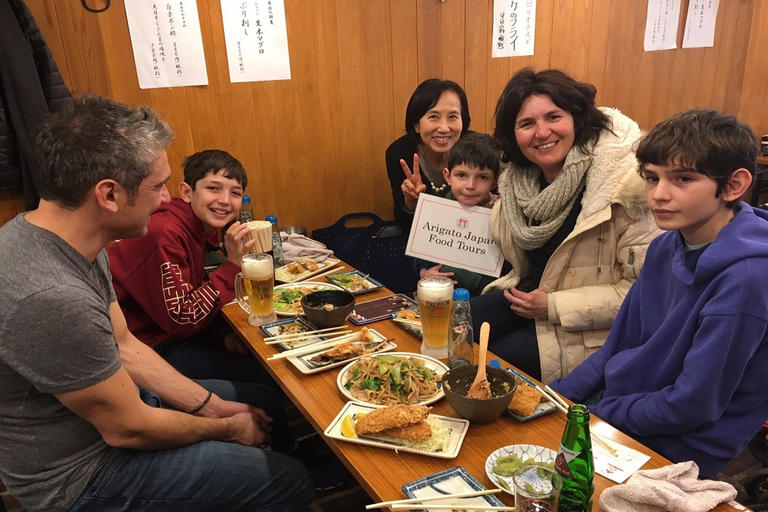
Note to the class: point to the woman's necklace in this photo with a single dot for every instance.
(438, 189)
(429, 172)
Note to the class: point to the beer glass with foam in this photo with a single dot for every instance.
(254, 287)
(435, 298)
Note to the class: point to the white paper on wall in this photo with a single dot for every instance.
(514, 28)
(257, 40)
(661, 25)
(167, 44)
(700, 24)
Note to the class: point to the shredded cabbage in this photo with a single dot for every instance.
(441, 435)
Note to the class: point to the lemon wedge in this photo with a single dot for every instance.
(348, 427)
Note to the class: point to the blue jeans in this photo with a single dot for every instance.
(513, 338)
(206, 476)
(204, 356)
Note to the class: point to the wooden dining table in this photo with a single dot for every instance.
(382, 472)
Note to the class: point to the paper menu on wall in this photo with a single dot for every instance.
(661, 25)
(256, 39)
(514, 28)
(700, 24)
(167, 43)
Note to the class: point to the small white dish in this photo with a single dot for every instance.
(457, 427)
(525, 451)
(451, 481)
(437, 367)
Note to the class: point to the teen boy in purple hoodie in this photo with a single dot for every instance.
(683, 369)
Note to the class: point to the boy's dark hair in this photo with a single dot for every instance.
(704, 140)
(197, 166)
(476, 150)
(93, 138)
(577, 98)
(426, 96)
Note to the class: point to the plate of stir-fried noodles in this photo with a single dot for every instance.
(393, 378)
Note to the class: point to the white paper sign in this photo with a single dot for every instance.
(700, 24)
(257, 40)
(446, 232)
(661, 25)
(167, 44)
(514, 28)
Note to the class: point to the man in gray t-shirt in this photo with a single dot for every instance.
(75, 433)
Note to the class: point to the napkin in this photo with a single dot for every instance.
(675, 488)
(296, 246)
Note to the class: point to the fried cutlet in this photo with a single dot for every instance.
(420, 431)
(525, 400)
(393, 416)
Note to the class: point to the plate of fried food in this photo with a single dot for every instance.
(502, 464)
(286, 298)
(303, 268)
(367, 341)
(400, 427)
(393, 378)
(526, 403)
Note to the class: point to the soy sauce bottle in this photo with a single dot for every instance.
(574, 462)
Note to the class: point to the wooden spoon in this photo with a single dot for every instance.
(481, 388)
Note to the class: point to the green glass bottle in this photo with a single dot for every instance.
(574, 462)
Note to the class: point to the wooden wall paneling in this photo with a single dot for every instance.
(350, 182)
(84, 43)
(571, 29)
(752, 104)
(430, 38)
(404, 72)
(477, 44)
(453, 29)
(602, 16)
(373, 194)
(734, 41)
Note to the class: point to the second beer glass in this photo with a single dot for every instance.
(435, 298)
(258, 279)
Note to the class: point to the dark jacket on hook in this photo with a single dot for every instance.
(31, 87)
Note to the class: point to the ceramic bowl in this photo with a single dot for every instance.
(456, 383)
(316, 309)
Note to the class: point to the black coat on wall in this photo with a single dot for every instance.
(31, 87)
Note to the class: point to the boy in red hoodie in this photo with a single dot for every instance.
(168, 301)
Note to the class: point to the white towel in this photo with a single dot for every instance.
(296, 246)
(674, 488)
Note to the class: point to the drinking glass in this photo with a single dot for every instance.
(537, 489)
(254, 287)
(435, 298)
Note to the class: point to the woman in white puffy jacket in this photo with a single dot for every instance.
(572, 221)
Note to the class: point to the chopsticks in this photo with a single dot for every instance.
(408, 322)
(416, 506)
(383, 504)
(313, 347)
(320, 274)
(554, 397)
(306, 334)
(331, 336)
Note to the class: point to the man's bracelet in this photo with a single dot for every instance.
(202, 404)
